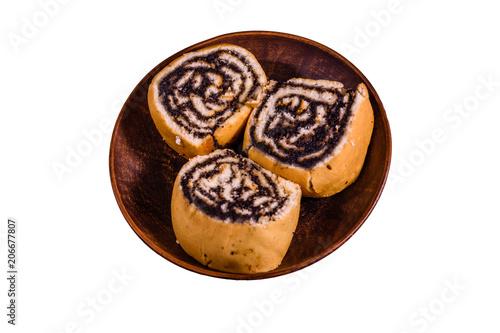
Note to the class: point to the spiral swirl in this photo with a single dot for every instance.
(232, 188)
(202, 89)
(300, 122)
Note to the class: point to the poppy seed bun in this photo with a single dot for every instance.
(313, 132)
(232, 215)
(201, 100)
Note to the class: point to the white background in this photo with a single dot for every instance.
(426, 260)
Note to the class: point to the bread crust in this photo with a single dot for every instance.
(224, 135)
(232, 247)
(341, 169)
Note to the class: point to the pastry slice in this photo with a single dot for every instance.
(313, 132)
(201, 100)
(232, 215)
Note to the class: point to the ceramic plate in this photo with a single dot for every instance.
(143, 168)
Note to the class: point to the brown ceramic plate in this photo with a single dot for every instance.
(143, 168)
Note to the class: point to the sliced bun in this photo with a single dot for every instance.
(201, 100)
(313, 132)
(232, 215)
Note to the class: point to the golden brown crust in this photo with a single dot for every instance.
(344, 168)
(232, 247)
(232, 130)
(335, 174)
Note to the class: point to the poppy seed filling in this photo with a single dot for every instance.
(301, 124)
(232, 188)
(201, 93)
